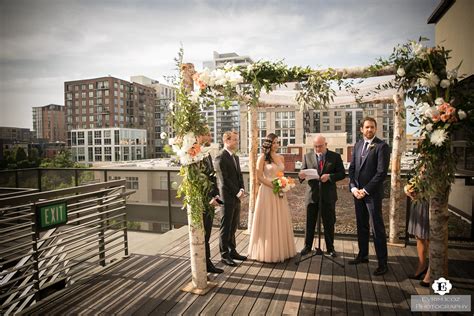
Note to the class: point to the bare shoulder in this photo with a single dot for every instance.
(281, 158)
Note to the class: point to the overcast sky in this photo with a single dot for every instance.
(46, 42)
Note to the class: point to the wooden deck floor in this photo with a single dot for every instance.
(150, 285)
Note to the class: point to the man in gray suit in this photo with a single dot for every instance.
(330, 169)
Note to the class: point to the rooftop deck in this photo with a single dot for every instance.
(150, 284)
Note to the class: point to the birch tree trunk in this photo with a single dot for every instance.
(196, 230)
(439, 235)
(253, 136)
(395, 186)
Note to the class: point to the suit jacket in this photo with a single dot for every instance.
(334, 167)
(211, 175)
(229, 176)
(370, 173)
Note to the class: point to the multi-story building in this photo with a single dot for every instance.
(218, 118)
(412, 142)
(285, 120)
(108, 144)
(107, 102)
(165, 94)
(49, 123)
(220, 60)
(11, 137)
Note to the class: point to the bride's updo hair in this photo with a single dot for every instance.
(267, 146)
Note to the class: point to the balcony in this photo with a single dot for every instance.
(150, 279)
(149, 282)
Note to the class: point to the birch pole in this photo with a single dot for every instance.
(253, 135)
(199, 284)
(395, 186)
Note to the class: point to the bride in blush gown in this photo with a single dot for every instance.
(271, 238)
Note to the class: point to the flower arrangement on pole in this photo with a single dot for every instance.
(440, 106)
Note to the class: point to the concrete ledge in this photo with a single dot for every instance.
(146, 243)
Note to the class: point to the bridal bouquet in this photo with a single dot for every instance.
(282, 184)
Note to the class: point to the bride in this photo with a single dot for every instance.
(271, 238)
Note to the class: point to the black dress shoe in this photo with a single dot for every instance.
(332, 253)
(424, 284)
(228, 261)
(236, 256)
(381, 270)
(213, 269)
(305, 251)
(358, 260)
(419, 275)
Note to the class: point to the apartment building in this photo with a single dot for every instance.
(220, 60)
(165, 94)
(108, 102)
(108, 144)
(49, 123)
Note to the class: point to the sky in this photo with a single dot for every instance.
(46, 42)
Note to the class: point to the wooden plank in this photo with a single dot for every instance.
(384, 302)
(353, 298)
(339, 297)
(293, 301)
(212, 302)
(191, 303)
(369, 302)
(248, 300)
(308, 299)
(280, 297)
(324, 298)
(268, 291)
(405, 287)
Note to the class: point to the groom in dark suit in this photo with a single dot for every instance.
(231, 187)
(331, 169)
(367, 172)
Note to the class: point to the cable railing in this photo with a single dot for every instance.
(51, 239)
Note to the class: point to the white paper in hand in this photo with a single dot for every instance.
(311, 174)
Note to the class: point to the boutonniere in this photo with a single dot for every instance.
(371, 146)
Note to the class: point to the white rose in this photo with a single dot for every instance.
(462, 115)
(429, 127)
(204, 76)
(418, 49)
(444, 83)
(432, 111)
(424, 107)
(171, 106)
(439, 101)
(401, 72)
(163, 135)
(228, 66)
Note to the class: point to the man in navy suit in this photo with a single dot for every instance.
(231, 187)
(367, 172)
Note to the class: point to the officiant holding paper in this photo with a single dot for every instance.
(325, 166)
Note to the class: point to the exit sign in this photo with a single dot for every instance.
(51, 215)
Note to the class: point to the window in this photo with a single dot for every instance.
(337, 113)
(285, 128)
(325, 113)
(91, 86)
(337, 121)
(338, 128)
(340, 151)
(131, 183)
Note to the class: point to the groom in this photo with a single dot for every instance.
(231, 187)
(331, 169)
(367, 172)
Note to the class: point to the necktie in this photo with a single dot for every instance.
(364, 151)
(235, 162)
(321, 163)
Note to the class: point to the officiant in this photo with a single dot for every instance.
(325, 166)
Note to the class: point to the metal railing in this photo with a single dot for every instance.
(34, 262)
(156, 205)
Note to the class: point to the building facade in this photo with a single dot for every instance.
(220, 119)
(165, 95)
(108, 144)
(49, 123)
(108, 102)
(220, 60)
